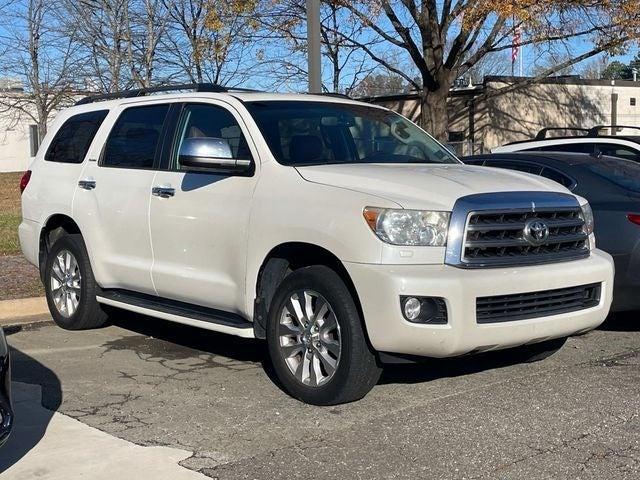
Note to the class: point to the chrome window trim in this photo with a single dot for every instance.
(503, 202)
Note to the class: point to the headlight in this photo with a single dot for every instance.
(409, 227)
(587, 216)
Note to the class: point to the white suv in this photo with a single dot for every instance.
(337, 230)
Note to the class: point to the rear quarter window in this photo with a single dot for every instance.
(558, 177)
(135, 137)
(72, 141)
(568, 147)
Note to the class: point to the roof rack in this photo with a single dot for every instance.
(595, 131)
(330, 94)
(542, 134)
(140, 92)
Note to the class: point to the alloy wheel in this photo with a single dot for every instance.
(65, 283)
(309, 338)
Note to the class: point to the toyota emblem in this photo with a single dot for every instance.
(536, 232)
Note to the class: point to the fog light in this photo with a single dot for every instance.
(412, 307)
(431, 310)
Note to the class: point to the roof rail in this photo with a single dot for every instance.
(595, 131)
(542, 134)
(330, 94)
(139, 92)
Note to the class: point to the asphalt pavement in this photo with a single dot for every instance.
(195, 404)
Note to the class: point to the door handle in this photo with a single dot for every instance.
(87, 184)
(163, 192)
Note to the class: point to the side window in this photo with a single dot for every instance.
(620, 151)
(210, 121)
(135, 137)
(73, 139)
(569, 147)
(519, 166)
(558, 177)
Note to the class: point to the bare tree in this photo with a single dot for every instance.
(147, 26)
(212, 41)
(594, 69)
(43, 57)
(102, 29)
(346, 63)
(444, 39)
(380, 84)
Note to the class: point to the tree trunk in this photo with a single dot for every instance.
(434, 114)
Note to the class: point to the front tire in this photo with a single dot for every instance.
(70, 287)
(316, 340)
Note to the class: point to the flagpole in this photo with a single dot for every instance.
(521, 53)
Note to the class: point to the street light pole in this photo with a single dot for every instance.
(313, 46)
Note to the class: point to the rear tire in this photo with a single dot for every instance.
(316, 339)
(70, 286)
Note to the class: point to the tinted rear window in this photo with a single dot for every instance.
(567, 147)
(73, 139)
(558, 177)
(512, 165)
(624, 173)
(135, 137)
(621, 151)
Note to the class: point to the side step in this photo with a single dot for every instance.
(175, 311)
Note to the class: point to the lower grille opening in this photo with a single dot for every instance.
(508, 308)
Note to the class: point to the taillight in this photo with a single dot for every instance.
(634, 218)
(24, 181)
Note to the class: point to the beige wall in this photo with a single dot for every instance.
(14, 143)
(521, 114)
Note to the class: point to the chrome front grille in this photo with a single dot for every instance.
(507, 237)
(491, 230)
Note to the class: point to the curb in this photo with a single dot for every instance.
(17, 311)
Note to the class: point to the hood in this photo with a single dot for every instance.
(435, 187)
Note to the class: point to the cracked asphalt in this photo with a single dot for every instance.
(152, 383)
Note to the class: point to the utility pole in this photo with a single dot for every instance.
(313, 46)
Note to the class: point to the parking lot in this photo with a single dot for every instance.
(207, 401)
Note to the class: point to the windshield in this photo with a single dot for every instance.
(624, 173)
(314, 133)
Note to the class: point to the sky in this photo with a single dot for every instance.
(531, 57)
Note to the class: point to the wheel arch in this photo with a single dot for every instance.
(55, 226)
(282, 260)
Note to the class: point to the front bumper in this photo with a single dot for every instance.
(379, 289)
(6, 412)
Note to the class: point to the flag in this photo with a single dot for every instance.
(515, 46)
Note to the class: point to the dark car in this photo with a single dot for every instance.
(612, 186)
(6, 413)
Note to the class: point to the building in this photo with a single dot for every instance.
(482, 118)
(18, 137)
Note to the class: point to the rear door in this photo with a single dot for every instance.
(55, 177)
(111, 203)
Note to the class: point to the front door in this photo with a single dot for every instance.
(199, 221)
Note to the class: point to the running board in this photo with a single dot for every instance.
(179, 312)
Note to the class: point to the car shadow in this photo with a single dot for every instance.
(191, 338)
(33, 386)
(429, 369)
(247, 350)
(622, 322)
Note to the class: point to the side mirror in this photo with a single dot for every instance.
(213, 155)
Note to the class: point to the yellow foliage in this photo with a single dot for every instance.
(610, 18)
